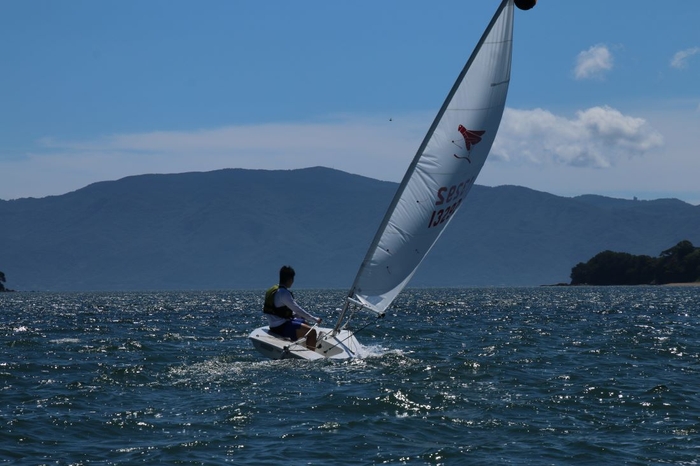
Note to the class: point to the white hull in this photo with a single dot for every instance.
(342, 345)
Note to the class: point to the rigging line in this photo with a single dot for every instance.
(351, 334)
(296, 342)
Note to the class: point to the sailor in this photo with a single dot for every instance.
(285, 317)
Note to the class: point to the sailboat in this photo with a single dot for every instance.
(433, 189)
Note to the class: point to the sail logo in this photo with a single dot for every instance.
(471, 138)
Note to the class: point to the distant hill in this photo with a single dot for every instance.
(232, 229)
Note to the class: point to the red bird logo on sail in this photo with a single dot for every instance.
(471, 137)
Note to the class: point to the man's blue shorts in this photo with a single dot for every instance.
(288, 329)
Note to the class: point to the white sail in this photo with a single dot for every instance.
(443, 170)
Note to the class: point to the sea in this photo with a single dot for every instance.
(517, 376)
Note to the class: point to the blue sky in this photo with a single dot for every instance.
(604, 97)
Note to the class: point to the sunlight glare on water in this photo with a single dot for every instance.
(458, 376)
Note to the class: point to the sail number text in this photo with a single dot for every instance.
(449, 197)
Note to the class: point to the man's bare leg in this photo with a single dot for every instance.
(310, 336)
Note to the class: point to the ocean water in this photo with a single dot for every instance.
(459, 376)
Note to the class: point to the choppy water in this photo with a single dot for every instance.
(474, 376)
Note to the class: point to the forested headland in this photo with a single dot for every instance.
(679, 264)
(2, 283)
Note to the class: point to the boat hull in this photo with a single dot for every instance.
(342, 345)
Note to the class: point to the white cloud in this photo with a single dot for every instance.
(329, 139)
(592, 63)
(596, 137)
(534, 148)
(680, 59)
(370, 146)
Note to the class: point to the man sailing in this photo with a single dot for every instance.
(285, 317)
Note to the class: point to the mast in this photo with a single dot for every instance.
(443, 169)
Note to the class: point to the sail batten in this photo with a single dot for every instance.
(443, 169)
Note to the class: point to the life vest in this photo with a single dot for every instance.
(270, 308)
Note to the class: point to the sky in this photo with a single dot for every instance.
(604, 96)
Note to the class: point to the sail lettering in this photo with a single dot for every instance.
(450, 193)
(441, 216)
(452, 197)
(453, 192)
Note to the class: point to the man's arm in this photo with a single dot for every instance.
(286, 299)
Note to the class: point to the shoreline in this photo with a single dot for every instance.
(690, 284)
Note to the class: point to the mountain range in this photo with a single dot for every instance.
(234, 228)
